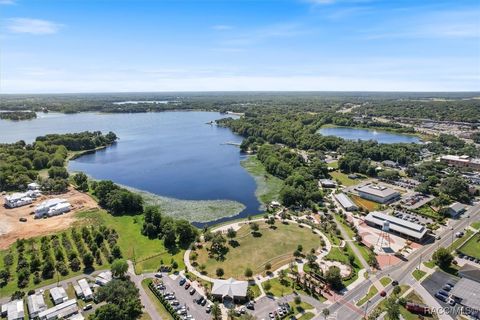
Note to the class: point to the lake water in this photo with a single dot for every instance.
(172, 154)
(369, 134)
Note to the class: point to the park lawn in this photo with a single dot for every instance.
(476, 225)
(256, 290)
(344, 179)
(279, 289)
(333, 164)
(418, 274)
(336, 254)
(146, 253)
(371, 292)
(385, 281)
(364, 203)
(268, 186)
(472, 247)
(429, 264)
(307, 316)
(458, 243)
(164, 314)
(345, 226)
(274, 246)
(301, 307)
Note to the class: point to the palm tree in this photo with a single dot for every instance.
(231, 314)
(325, 313)
(216, 312)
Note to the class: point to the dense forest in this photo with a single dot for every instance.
(17, 115)
(437, 106)
(20, 163)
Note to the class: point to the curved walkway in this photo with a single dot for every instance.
(257, 278)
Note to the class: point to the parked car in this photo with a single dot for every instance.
(440, 297)
(208, 309)
(87, 307)
(158, 275)
(187, 286)
(182, 281)
(192, 292)
(394, 283)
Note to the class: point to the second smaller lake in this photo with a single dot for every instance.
(369, 134)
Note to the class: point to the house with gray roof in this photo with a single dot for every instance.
(230, 289)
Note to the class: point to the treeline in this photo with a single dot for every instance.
(115, 199)
(172, 231)
(17, 115)
(462, 110)
(20, 162)
(301, 179)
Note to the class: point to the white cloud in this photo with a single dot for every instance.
(7, 2)
(222, 27)
(32, 26)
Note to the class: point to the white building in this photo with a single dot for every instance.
(60, 311)
(87, 293)
(230, 289)
(378, 193)
(13, 310)
(345, 202)
(327, 183)
(58, 295)
(461, 161)
(52, 207)
(33, 186)
(36, 304)
(103, 278)
(404, 228)
(455, 209)
(16, 200)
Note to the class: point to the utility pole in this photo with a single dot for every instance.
(420, 261)
(366, 308)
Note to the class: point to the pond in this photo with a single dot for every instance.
(369, 134)
(171, 154)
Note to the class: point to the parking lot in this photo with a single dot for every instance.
(412, 217)
(266, 305)
(184, 297)
(435, 283)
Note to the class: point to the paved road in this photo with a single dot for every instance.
(148, 305)
(400, 272)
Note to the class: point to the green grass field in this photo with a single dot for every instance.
(364, 203)
(472, 247)
(147, 253)
(307, 316)
(268, 186)
(344, 179)
(275, 246)
(418, 274)
(371, 292)
(476, 225)
(385, 281)
(426, 211)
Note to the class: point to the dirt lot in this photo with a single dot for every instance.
(12, 229)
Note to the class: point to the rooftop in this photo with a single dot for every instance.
(344, 200)
(36, 303)
(405, 227)
(469, 291)
(231, 288)
(377, 190)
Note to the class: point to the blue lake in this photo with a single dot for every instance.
(369, 134)
(172, 154)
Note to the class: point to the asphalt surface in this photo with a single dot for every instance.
(435, 282)
(345, 309)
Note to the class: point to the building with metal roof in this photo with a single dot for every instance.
(58, 295)
(467, 293)
(345, 202)
(378, 193)
(35, 304)
(470, 272)
(404, 228)
(456, 209)
(13, 310)
(87, 293)
(230, 289)
(327, 183)
(60, 311)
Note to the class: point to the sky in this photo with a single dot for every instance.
(68, 46)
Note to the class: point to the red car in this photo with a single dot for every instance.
(383, 294)
(187, 286)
